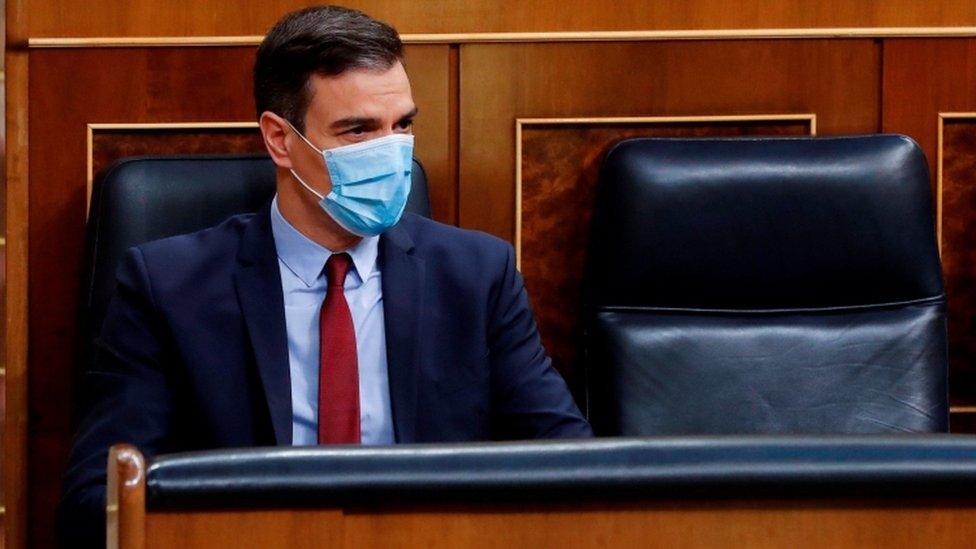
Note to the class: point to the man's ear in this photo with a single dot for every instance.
(275, 131)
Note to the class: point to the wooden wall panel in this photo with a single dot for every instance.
(250, 17)
(560, 165)
(755, 524)
(13, 326)
(469, 96)
(109, 145)
(923, 78)
(433, 80)
(15, 321)
(70, 89)
(502, 82)
(3, 270)
(958, 213)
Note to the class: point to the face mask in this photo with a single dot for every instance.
(370, 182)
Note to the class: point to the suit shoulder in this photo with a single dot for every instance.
(460, 258)
(433, 236)
(204, 245)
(195, 265)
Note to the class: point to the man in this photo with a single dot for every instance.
(329, 316)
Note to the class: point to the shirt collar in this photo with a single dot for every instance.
(306, 259)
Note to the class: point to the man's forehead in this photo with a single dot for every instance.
(362, 93)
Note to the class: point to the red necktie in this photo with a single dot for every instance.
(338, 363)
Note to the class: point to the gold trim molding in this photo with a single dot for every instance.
(962, 409)
(810, 118)
(527, 37)
(92, 128)
(943, 116)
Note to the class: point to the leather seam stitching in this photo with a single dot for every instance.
(939, 299)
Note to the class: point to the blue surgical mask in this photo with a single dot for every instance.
(370, 182)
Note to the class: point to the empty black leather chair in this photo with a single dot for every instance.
(145, 198)
(780, 285)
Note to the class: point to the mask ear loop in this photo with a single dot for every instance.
(305, 139)
(293, 172)
(304, 184)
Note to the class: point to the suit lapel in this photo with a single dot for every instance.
(403, 295)
(258, 284)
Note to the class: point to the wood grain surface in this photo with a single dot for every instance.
(125, 509)
(753, 524)
(109, 145)
(15, 320)
(502, 82)
(959, 250)
(249, 17)
(923, 78)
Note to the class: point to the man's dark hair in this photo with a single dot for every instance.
(323, 40)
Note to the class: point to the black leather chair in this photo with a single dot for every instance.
(149, 197)
(780, 285)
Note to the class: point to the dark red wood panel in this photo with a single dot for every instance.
(959, 248)
(218, 17)
(922, 78)
(109, 145)
(838, 80)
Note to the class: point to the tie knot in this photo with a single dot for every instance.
(336, 268)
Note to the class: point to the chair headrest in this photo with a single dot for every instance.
(769, 223)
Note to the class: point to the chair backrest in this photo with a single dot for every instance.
(149, 197)
(776, 285)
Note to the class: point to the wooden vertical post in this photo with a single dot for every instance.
(13, 325)
(125, 511)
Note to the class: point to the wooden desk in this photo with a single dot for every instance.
(660, 522)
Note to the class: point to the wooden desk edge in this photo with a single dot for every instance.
(125, 509)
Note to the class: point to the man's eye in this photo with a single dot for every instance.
(405, 124)
(358, 130)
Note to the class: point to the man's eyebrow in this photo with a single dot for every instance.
(366, 121)
(353, 121)
(411, 114)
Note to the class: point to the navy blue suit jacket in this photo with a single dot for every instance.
(193, 353)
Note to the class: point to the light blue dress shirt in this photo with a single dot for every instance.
(303, 284)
